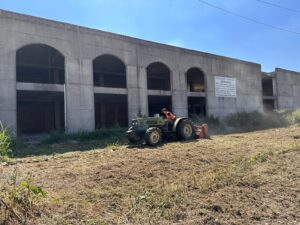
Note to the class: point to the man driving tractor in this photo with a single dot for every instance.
(167, 115)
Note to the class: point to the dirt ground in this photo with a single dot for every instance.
(245, 178)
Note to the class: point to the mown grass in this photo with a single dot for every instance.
(180, 183)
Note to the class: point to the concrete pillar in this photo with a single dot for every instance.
(132, 92)
(143, 92)
(79, 95)
(8, 99)
(274, 84)
(179, 94)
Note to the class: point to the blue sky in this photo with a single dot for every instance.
(188, 24)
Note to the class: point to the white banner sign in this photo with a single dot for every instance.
(225, 87)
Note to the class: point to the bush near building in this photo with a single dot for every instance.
(5, 143)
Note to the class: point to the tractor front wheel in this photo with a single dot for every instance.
(153, 136)
(132, 136)
(185, 130)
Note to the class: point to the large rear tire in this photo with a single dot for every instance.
(153, 136)
(185, 130)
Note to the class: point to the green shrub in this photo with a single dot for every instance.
(291, 116)
(247, 121)
(100, 134)
(296, 116)
(200, 119)
(255, 120)
(5, 143)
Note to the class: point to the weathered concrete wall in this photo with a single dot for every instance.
(249, 90)
(80, 46)
(288, 89)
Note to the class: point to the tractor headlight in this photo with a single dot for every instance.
(134, 123)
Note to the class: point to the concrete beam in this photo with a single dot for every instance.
(39, 87)
(159, 92)
(196, 94)
(106, 90)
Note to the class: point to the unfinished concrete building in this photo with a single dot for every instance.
(57, 76)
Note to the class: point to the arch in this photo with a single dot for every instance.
(109, 71)
(158, 76)
(40, 63)
(195, 79)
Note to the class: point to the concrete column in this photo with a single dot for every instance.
(79, 95)
(143, 92)
(8, 99)
(212, 102)
(179, 94)
(132, 92)
(274, 85)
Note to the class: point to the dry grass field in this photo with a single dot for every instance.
(244, 178)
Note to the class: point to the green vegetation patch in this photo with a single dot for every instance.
(6, 143)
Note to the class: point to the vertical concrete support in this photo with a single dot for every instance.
(8, 99)
(285, 89)
(179, 94)
(274, 85)
(143, 92)
(79, 95)
(132, 92)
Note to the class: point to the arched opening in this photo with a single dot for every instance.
(40, 63)
(195, 80)
(158, 77)
(109, 71)
(110, 109)
(196, 86)
(40, 111)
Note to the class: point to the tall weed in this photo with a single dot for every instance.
(5, 143)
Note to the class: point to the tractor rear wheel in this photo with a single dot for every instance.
(153, 136)
(185, 130)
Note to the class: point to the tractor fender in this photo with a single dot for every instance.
(177, 121)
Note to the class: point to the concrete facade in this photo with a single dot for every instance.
(288, 89)
(80, 46)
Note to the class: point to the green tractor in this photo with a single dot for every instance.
(154, 129)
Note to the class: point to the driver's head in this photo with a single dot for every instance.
(163, 110)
